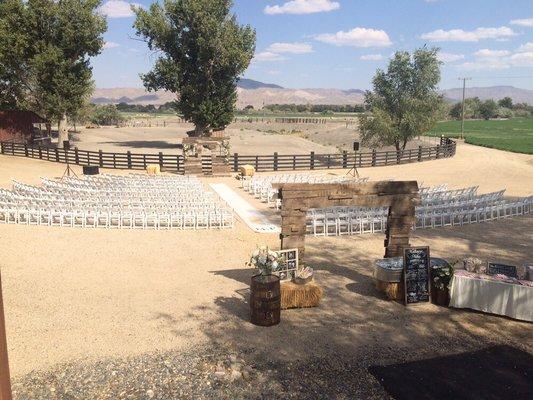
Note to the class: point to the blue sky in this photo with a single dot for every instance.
(341, 43)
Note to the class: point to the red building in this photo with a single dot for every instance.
(23, 127)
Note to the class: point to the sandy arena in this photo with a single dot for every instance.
(80, 295)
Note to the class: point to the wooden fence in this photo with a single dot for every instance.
(275, 162)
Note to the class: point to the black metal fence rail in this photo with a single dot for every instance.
(275, 162)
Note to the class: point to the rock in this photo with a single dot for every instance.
(236, 366)
(235, 375)
(150, 393)
(220, 374)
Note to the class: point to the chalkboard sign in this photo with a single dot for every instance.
(416, 263)
(507, 270)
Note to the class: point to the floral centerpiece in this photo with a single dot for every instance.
(441, 281)
(265, 260)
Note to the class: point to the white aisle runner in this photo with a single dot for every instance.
(255, 219)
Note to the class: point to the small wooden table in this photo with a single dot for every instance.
(300, 296)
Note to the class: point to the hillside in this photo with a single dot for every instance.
(493, 92)
(258, 94)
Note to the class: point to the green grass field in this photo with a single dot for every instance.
(514, 135)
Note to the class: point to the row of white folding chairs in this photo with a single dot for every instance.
(480, 198)
(432, 189)
(471, 216)
(336, 224)
(112, 206)
(449, 194)
(121, 188)
(118, 219)
(39, 192)
(143, 177)
(131, 183)
(125, 198)
(267, 193)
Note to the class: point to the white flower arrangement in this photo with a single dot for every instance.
(265, 260)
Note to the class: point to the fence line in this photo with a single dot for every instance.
(262, 163)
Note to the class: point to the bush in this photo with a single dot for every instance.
(106, 115)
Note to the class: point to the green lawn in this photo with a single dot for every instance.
(515, 134)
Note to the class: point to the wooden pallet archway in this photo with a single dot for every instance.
(400, 196)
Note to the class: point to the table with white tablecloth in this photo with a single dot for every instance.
(493, 296)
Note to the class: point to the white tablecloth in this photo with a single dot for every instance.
(515, 301)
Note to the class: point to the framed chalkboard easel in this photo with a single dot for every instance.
(416, 275)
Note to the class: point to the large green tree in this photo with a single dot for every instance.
(14, 50)
(53, 41)
(404, 102)
(203, 52)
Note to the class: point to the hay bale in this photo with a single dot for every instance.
(300, 296)
(153, 169)
(247, 170)
(393, 290)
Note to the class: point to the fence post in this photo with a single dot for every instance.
(100, 158)
(438, 151)
(386, 158)
(257, 163)
(275, 161)
(373, 157)
(235, 162)
(76, 156)
(128, 155)
(2, 147)
(312, 160)
(345, 159)
(419, 153)
(144, 160)
(40, 153)
(160, 160)
(57, 154)
(25, 150)
(399, 156)
(114, 160)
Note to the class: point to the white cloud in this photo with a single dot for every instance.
(487, 53)
(267, 56)
(303, 7)
(118, 9)
(110, 45)
(358, 37)
(371, 57)
(523, 22)
(292, 48)
(460, 35)
(450, 57)
(484, 65)
(523, 59)
(518, 59)
(526, 47)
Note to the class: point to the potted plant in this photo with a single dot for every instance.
(441, 281)
(265, 294)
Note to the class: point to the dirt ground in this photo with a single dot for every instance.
(75, 295)
(246, 138)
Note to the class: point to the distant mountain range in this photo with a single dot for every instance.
(259, 94)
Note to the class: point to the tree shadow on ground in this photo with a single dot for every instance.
(155, 144)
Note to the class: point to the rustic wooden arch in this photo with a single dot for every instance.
(401, 197)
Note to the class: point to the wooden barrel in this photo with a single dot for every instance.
(265, 300)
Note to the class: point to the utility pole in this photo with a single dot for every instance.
(463, 107)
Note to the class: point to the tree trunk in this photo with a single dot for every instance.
(62, 131)
(397, 145)
(199, 130)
